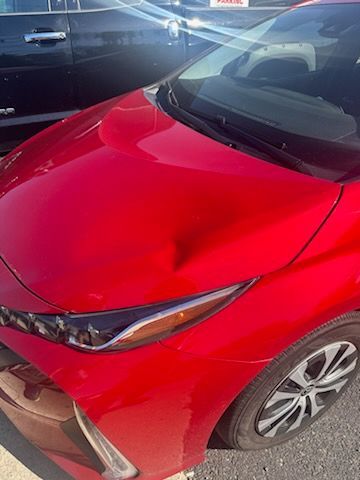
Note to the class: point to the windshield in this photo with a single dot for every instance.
(292, 81)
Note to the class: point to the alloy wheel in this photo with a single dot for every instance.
(310, 387)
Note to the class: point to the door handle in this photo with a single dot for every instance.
(44, 37)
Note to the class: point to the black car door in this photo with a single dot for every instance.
(212, 21)
(121, 45)
(35, 65)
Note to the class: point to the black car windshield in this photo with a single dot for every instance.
(292, 81)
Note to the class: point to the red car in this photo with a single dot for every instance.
(185, 259)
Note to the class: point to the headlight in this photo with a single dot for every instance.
(127, 328)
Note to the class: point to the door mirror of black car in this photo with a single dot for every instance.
(58, 5)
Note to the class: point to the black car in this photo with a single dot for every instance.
(59, 56)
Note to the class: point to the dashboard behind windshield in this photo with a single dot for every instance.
(293, 80)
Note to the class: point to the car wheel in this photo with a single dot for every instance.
(296, 388)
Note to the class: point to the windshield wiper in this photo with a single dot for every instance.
(195, 121)
(200, 122)
(277, 153)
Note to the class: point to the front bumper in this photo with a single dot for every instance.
(150, 403)
(44, 414)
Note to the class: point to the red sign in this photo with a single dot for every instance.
(229, 3)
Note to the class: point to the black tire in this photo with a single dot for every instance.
(239, 426)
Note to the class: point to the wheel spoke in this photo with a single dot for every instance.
(298, 376)
(315, 408)
(301, 414)
(330, 387)
(282, 419)
(282, 414)
(329, 354)
(279, 396)
(348, 351)
(336, 375)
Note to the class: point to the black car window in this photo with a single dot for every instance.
(102, 4)
(99, 4)
(23, 6)
(272, 3)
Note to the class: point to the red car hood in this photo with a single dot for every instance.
(121, 205)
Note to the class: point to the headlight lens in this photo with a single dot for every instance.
(127, 328)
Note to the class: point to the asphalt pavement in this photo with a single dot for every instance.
(329, 450)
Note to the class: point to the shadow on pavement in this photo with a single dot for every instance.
(28, 455)
(216, 443)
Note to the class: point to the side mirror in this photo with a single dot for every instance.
(173, 28)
